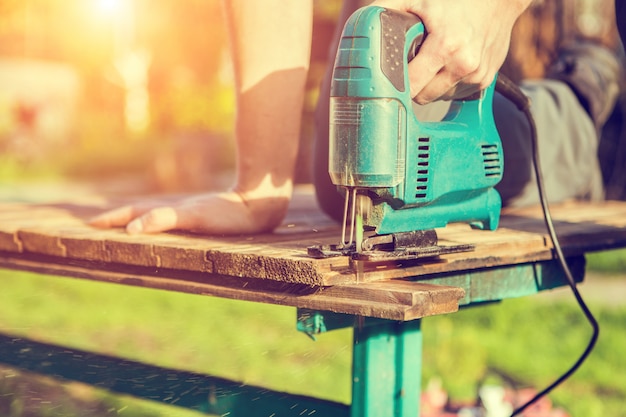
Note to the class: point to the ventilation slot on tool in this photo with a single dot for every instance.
(491, 159)
(423, 156)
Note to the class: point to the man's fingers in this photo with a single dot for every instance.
(157, 220)
(120, 216)
(214, 216)
(113, 218)
(461, 91)
(449, 84)
(447, 71)
(422, 71)
(437, 72)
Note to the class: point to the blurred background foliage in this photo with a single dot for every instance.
(102, 89)
(115, 89)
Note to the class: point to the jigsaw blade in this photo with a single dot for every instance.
(363, 205)
(355, 212)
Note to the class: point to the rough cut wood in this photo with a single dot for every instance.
(59, 232)
(55, 239)
(389, 299)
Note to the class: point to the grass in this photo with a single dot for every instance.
(512, 341)
(608, 262)
(243, 341)
(515, 342)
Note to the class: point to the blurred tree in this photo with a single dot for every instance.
(181, 37)
(188, 86)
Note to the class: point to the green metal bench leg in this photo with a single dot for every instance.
(387, 370)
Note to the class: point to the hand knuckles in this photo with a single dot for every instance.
(486, 82)
(468, 63)
(155, 215)
(483, 78)
(420, 99)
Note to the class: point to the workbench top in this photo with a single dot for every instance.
(275, 268)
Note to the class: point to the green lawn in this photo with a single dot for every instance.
(529, 341)
(610, 262)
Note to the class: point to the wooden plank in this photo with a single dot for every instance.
(60, 232)
(581, 227)
(17, 217)
(391, 299)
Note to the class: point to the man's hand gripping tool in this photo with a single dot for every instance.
(403, 178)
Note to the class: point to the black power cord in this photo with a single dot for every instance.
(513, 93)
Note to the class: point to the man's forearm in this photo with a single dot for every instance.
(271, 49)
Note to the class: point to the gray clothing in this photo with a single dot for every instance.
(568, 145)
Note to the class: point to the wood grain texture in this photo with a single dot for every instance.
(390, 299)
(275, 268)
(61, 233)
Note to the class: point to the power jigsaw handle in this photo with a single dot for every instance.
(401, 36)
(376, 42)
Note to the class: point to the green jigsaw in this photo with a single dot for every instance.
(402, 178)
